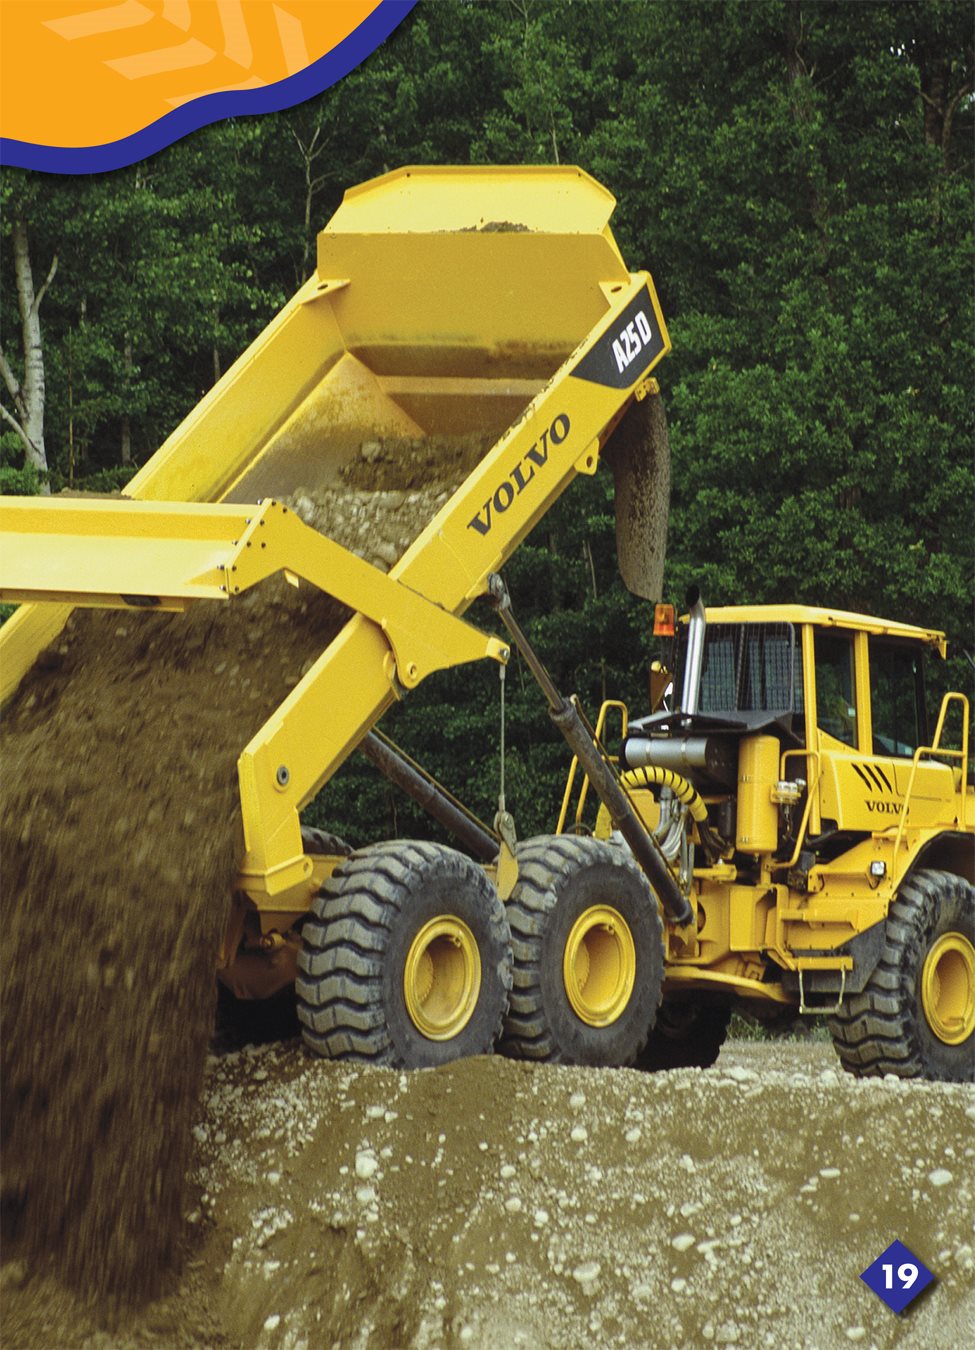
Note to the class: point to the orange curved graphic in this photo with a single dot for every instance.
(94, 71)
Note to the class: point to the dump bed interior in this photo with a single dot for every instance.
(427, 315)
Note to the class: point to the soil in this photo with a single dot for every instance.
(496, 227)
(121, 829)
(493, 1203)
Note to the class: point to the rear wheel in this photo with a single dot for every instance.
(406, 960)
(588, 948)
(688, 1034)
(916, 1015)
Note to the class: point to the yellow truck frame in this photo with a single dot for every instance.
(444, 301)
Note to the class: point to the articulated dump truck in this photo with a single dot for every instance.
(448, 306)
(789, 838)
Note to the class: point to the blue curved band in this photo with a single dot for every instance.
(320, 75)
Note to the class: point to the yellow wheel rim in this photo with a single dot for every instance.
(948, 988)
(442, 978)
(599, 966)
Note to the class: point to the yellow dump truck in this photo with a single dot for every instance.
(822, 829)
(790, 836)
(444, 302)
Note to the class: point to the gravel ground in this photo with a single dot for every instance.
(500, 1204)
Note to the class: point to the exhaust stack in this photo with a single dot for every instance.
(691, 693)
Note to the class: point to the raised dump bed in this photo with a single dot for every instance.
(446, 303)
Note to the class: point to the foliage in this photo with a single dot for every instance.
(16, 477)
(797, 176)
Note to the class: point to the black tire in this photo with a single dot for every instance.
(366, 932)
(907, 1021)
(688, 1034)
(563, 879)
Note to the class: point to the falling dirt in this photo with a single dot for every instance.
(121, 829)
(496, 1204)
(639, 456)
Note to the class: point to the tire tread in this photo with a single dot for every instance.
(544, 864)
(341, 961)
(876, 1032)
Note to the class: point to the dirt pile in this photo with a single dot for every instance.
(121, 836)
(493, 1203)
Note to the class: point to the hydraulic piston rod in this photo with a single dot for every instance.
(601, 774)
(428, 794)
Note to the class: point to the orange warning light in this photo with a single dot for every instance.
(664, 618)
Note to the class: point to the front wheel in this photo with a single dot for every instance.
(916, 1016)
(588, 946)
(406, 960)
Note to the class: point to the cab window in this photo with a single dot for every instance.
(748, 667)
(896, 698)
(836, 711)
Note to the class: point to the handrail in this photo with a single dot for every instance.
(936, 748)
(605, 707)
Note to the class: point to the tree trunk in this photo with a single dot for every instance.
(28, 396)
(940, 101)
(129, 361)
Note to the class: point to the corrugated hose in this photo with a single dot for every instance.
(687, 794)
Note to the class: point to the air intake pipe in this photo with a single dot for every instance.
(694, 661)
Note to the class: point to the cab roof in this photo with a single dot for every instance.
(826, 618)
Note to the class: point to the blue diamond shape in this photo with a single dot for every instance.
(897, 1276)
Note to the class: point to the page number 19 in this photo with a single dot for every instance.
(906, 1275)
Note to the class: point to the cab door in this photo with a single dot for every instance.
(852, 795)
(870, 717)
(898, 726)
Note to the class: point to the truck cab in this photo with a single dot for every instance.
(815, 799)
(844, 698)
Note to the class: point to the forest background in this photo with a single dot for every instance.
(796, 175)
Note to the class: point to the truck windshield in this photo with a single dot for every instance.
(748, 667)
